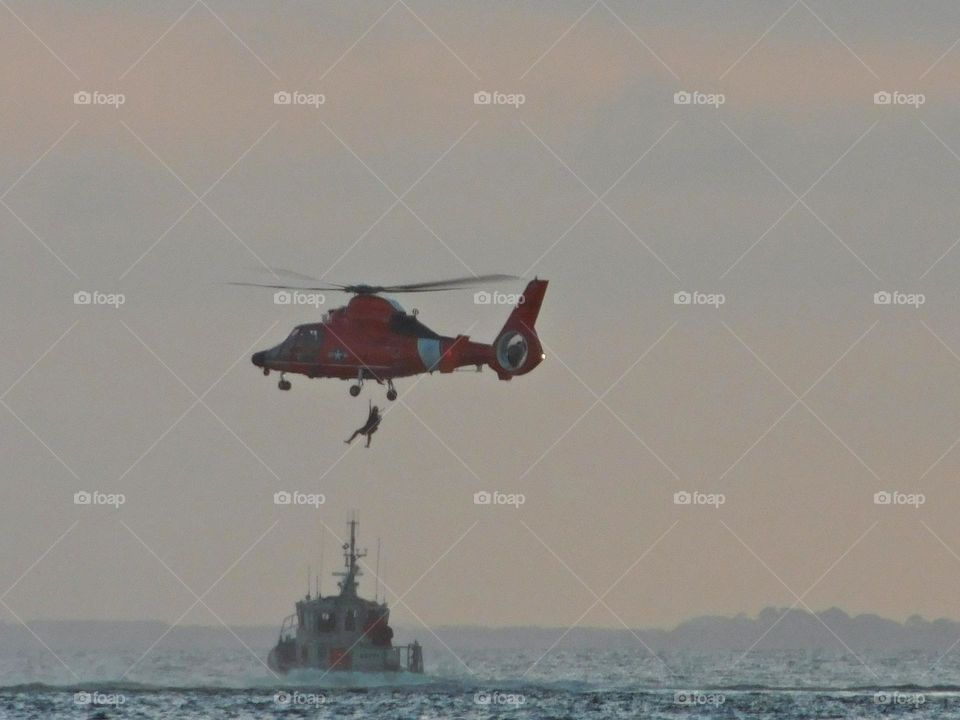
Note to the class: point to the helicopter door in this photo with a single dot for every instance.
(429, 351)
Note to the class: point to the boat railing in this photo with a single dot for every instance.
(413, 656)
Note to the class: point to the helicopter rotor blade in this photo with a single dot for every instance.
(278, 272)
(363, 289)
(449, 284)
(320, 288)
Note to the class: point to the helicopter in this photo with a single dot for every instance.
(374, 338)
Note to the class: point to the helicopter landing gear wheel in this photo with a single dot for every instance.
(391, 391)
(266, 371)
(355, 389)
(284, 384)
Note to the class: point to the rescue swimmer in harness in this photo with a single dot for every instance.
(369, 427)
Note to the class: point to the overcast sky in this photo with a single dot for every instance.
(797, 399)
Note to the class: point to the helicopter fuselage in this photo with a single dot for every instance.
(373, 338)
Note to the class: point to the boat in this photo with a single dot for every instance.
(343, 632)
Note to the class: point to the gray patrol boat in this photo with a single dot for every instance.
(343, 632)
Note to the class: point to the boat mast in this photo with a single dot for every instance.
(320, 572)
(348, 586)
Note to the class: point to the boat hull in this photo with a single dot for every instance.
(287, 656)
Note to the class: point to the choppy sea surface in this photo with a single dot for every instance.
(487, 683)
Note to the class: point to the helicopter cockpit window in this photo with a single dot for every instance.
(309, 337)
(294, 334)
(302, 343)
(315, 337)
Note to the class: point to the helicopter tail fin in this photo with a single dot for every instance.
(517, 349)
(524, 315)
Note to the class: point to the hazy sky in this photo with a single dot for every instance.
(797, 399)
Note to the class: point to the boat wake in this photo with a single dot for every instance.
(364, 682)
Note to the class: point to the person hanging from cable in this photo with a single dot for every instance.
(369, 427)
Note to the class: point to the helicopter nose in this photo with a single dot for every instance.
(258, 358)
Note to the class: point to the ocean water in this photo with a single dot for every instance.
(228, 683)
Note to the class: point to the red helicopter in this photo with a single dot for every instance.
(374, 338)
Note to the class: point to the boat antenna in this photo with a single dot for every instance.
(308, 582)
(376, 591)
(320, 574)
